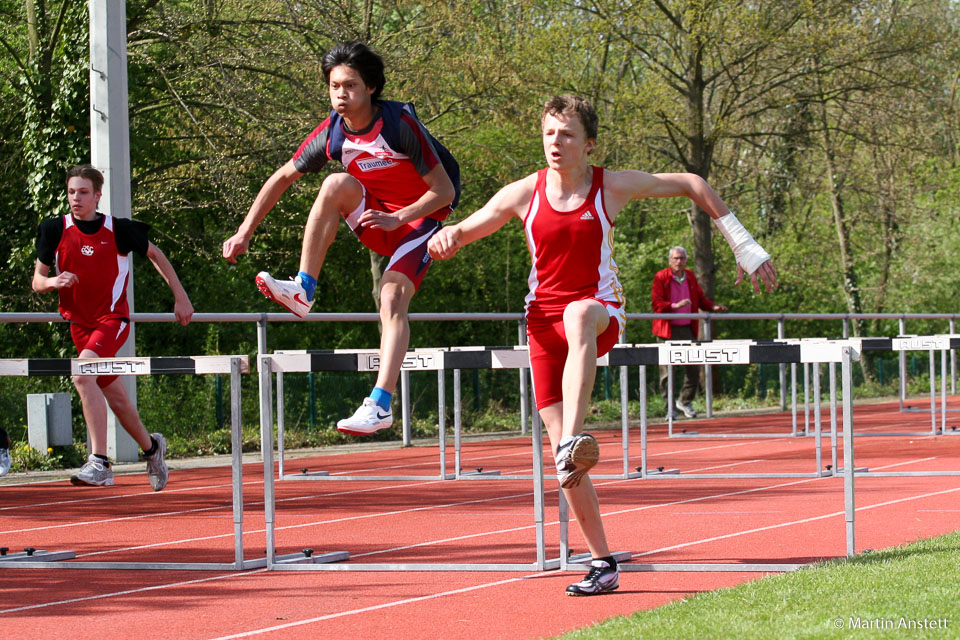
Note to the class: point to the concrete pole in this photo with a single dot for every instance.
(110, 153)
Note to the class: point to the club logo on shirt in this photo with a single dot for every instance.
(86, 250)
(374, 164)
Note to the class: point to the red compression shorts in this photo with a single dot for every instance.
(105, 340)
(548, 350)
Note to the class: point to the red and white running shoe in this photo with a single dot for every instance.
(290, 294)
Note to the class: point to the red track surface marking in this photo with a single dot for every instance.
(663, 520)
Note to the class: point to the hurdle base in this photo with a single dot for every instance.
(39, 555)
(665, 472)
(320, 558)
(466, 475)
(578, 560)
(840, 470)
(305, 476)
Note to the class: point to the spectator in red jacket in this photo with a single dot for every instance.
(675, 290)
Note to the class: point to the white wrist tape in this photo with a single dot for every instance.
(748, 252)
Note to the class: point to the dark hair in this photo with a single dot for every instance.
(570, 104)
(361, 59)
(88, 172)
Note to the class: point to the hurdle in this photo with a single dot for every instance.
(740, 352)
(142, 366)
(466, 358)
(440, 360)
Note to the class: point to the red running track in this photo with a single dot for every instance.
(735, 520)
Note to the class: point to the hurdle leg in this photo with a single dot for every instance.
(625, 421)
(833, 416)
(538, 506)
(806, 399)
(816, 398)
(236, 446)
(818, 425)
(457, 423)
(943, 392)
(442, 422)
(281, 409)
(793, 391)
(524, 390)
(405, 407)
(264, 368)
(933, 395)
(643, 421)
(670, 400)
(848, 468)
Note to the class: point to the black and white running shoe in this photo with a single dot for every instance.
(602, 578)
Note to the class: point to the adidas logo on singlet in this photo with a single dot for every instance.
(587, 216)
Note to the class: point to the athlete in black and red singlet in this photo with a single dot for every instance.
(90, 253)
(400, 183)
(575, 306)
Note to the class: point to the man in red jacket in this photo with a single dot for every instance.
(675, 290)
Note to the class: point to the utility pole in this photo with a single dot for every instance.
(110, 153)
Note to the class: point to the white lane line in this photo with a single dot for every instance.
(57, 603)
(385, 605)
(412, 600)
(142, 494)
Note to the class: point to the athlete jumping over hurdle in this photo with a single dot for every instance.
(400, 183)
(575, 307)
(90, 252)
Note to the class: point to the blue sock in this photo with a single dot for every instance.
(309, 284)
(381, 397)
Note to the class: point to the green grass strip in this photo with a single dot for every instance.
(911, 591)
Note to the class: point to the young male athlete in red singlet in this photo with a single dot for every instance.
(90, 253)
(575, 306)
(400, 183)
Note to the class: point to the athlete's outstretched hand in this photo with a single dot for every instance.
(374, 219)
(444, 243)
(766, 272)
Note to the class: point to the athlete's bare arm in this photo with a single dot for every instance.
(44, 282)
(623, 186)
(511, 201)
(270, 193)
(182, 307)
(440, 192)
(620, 187)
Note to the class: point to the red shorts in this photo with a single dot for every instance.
(105, 340)
(548, 350)
(406, 246)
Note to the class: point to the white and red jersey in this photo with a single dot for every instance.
(102, 274)
(571, 251)
(389, 158)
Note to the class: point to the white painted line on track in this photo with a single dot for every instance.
(114, 594)
(386, 605)
(139, 495)
(467, 589)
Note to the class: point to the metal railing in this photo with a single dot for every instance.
(263, 319)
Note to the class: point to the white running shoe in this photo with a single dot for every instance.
(94, 473)
(5, 462)
(290, 294)
(157, 469)
(369, 418)
(687, 409)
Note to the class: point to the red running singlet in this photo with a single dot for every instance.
(102, 273)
